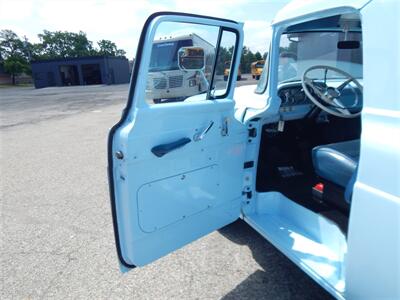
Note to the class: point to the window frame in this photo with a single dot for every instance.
(233, 59)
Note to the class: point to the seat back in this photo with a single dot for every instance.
(350, 185)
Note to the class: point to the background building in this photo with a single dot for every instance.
(80, 71)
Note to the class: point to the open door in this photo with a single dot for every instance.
(176, 156)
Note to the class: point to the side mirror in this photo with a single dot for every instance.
(191, 58)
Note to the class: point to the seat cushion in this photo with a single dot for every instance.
(337, 162)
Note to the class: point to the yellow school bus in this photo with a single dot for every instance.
(227, 69)
(256, 69)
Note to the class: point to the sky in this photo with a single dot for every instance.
(121, 21)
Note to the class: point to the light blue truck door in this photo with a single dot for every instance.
(175, 168)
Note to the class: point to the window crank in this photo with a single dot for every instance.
(200, 135)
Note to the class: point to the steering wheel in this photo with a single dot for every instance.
(329, 97)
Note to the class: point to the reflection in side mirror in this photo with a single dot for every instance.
(191, 58)
(348, 44)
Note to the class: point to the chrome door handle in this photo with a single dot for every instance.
(200, 135)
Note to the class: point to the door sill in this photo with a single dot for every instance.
(311, 241)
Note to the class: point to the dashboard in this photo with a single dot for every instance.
(294, 102)
(293, 96)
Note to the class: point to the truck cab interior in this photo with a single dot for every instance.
(311, 154)
(308, 157)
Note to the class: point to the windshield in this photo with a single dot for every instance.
(164, 55)
(260, 66)
(300, 51)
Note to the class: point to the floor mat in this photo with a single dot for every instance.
(291, 182)
(297, 186)
(288, 171)
(285, 165)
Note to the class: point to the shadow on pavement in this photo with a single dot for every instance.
(279, 277)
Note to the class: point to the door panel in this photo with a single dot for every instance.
(162, 202)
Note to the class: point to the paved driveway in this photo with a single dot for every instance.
(56, 231)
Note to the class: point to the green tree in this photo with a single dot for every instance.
(265, 55)
(224, 55)
(13, 54)
(109, 48)
(247, 58)
(63, 44)
(258, 56)
(292, 48)
(15, 65)
(10, 44)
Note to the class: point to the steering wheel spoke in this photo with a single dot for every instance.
(343, 111)
(344, 84)
(340, 107)
(315, 87)
(328, 98)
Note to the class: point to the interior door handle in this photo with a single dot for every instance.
(163, 149)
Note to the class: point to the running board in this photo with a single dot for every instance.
(311, 241)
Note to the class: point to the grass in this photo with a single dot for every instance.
(4, 86)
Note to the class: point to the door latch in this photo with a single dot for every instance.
(200, 135)
(224, 127)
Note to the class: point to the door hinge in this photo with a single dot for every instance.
(252, 132)
(248, 164)
(248, 194)
(247, 197)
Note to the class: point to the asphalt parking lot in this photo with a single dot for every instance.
(56, 230)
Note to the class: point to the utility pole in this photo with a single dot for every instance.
(26, 46)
